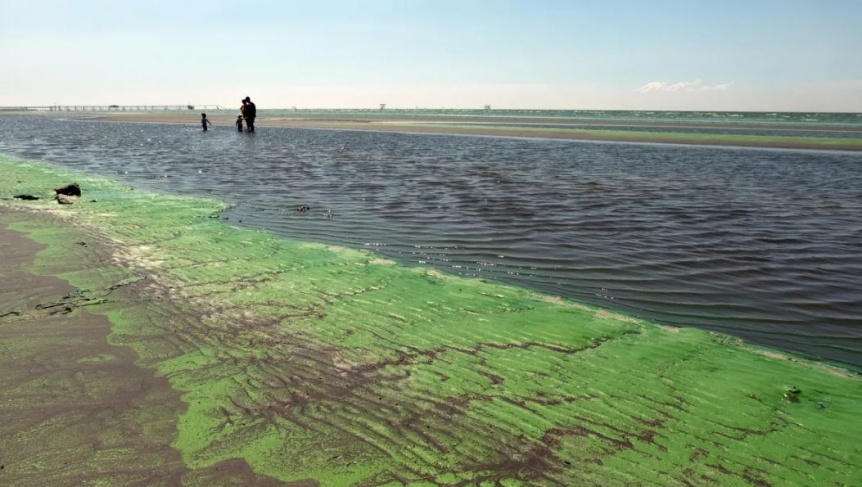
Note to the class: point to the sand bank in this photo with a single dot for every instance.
(314, 363)
(600, 130)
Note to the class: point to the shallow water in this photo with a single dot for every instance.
(843, 120)
(825, 131)
(760, 243)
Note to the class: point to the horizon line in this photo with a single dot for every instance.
(218, 106)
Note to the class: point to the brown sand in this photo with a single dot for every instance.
(505, 128)
(75, 409)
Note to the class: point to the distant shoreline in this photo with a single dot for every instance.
(581, 129)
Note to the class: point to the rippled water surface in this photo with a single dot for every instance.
(764, 244)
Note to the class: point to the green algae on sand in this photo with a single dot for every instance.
(75, 409)
(329, 365)
(777, 141)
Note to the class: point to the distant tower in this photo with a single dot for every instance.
(382, 106)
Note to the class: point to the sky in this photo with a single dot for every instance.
(732, 55)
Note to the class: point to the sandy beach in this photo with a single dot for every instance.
(600, 130)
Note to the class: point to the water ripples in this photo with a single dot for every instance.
(764, 244)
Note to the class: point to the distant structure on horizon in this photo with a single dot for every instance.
(382, 107)
(105, 108)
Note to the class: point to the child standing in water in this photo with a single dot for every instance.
(204, 121)
(239, 123)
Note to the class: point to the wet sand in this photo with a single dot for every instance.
(600, 130)
(75, 408)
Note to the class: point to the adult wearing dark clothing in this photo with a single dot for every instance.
(250, 113)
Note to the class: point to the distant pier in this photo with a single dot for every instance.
(107, 108)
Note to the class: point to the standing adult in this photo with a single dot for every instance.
(250, 112)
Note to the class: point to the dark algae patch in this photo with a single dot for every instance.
(314, 364)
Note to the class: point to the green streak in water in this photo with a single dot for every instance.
(315, 362)
(644, 136)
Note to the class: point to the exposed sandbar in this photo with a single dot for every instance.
(599, 130)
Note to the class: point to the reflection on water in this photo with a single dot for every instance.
(763, 244)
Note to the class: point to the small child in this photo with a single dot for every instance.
(239, 123)
(204, 121)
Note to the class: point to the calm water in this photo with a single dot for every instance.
(763, 244)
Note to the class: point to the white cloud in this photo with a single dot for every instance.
(696, 85)
(721, 87)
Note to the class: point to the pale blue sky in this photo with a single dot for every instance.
(623, 54)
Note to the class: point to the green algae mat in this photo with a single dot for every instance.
(779, 141)
(669, 136)
(286, 361)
